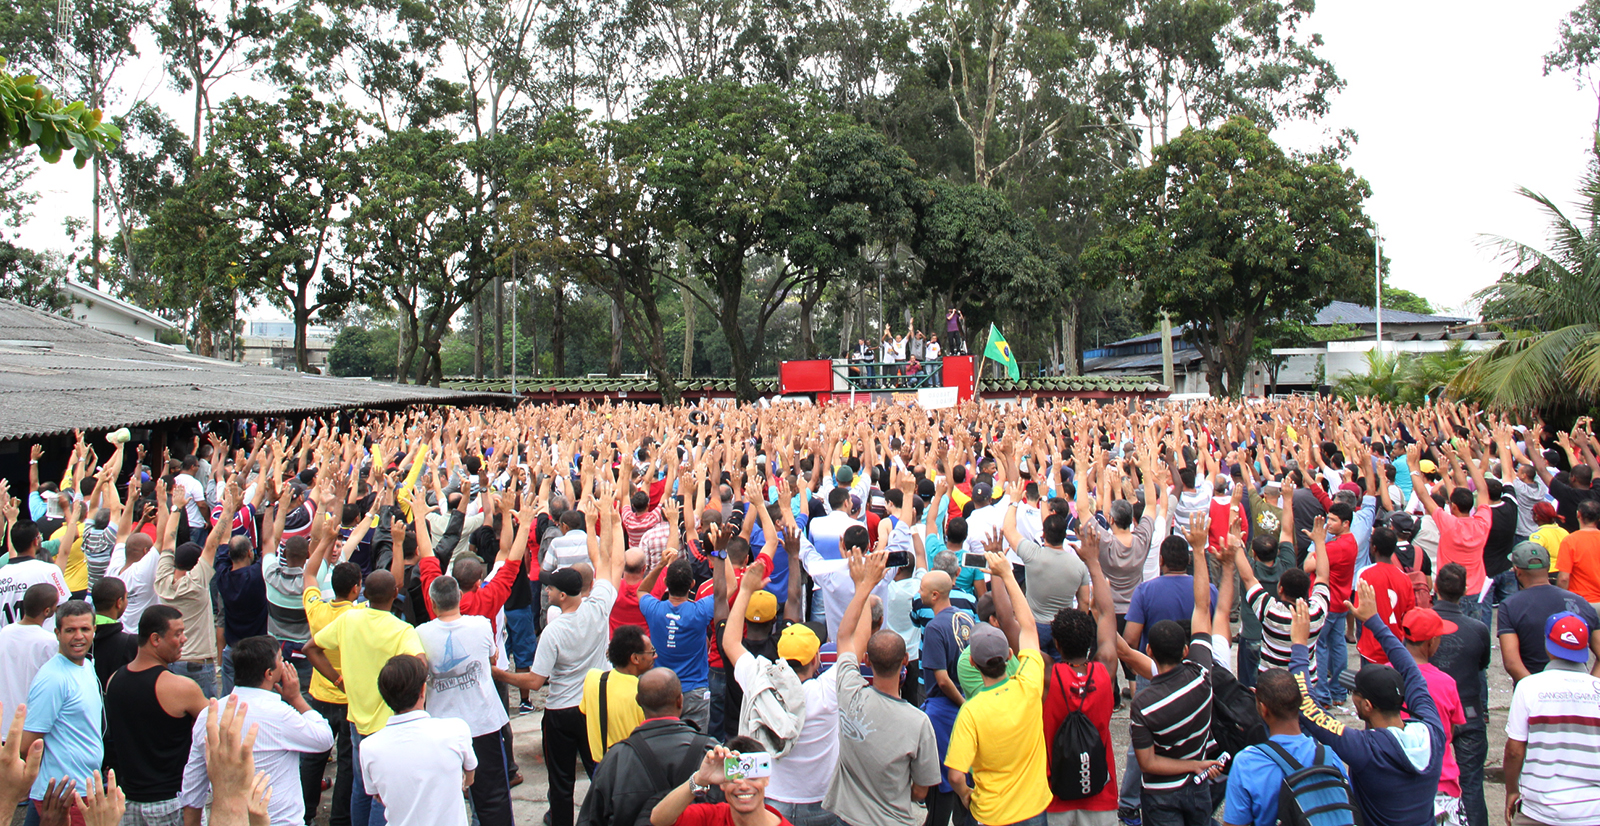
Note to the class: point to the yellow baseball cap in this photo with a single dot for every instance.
(763, 607)
(799, 643)
(1427, 466)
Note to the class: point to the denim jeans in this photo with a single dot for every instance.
(1036, 820)
(203, 673)
(365, 810)
(1249, 662)
(1186, 806)
(805, 814)
(719, 700)
(1505, 584)
(1480, 610)
(1129, 794)
(226, 661)
(1472, 746)
(1332, 656)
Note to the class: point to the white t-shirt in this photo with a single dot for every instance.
(984, 521)
(18, 577)
(459, 683)
(816, 751)
(194, 500)
(23, 648)
(417, 763)
(574, 643)
(140, 578)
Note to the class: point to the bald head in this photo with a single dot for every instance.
(886, 653)
(587, 572)
(138, 545)
(935, 587)
(381, 590)
(633, 562)
(660, 693)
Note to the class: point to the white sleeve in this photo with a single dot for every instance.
(1517, 715)
(196, 789)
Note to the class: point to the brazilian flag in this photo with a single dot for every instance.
(999, 350)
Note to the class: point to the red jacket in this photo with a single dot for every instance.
(485, 601)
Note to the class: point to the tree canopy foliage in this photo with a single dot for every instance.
(799, 175)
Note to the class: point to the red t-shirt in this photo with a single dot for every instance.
(1341, 571)
(1392, 589)
(716, 814)
(625, 611)
(1096, 703)
(1217, 531)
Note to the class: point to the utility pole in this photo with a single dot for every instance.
(1166, 352)
(515, 297)
(1377, 280)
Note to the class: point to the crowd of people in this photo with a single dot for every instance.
(867, 616)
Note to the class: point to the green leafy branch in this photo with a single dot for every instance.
(31, 116)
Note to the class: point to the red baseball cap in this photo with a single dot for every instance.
(1566, 635)
(1423, 624)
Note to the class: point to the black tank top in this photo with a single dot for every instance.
(147, 746)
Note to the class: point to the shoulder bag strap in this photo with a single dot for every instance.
(605, 719)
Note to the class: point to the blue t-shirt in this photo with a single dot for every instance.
(778, 580)
(942, 643)
(1255, 778)
(1169, 597)
(64, 705)
(679, 635)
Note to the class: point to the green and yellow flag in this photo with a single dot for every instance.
(998, 350)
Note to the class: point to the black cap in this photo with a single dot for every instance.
(565, 580)
(1382, 686)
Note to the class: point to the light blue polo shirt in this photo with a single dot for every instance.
(64, 705)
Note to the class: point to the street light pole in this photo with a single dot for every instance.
(516, 296)
(1377, 279)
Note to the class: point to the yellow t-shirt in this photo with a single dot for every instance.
(319, 615)
(622, 709)
(77, 571)
(366, 639)
(1550, 537)
(1007, 760)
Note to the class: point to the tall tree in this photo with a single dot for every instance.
(1227, 233)
(205, 42)
(289, 165)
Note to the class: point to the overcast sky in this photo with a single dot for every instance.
(1449, 101)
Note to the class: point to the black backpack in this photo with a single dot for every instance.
(1078, 768)
(1314, 795)
(1235, 723)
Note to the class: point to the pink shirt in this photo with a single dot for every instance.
(1448, 699)
(1461, 540)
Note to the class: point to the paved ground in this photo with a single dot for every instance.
(530, 800)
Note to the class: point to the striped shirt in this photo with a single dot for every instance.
(1276, 616)
(1557, 713)
(1173, 714)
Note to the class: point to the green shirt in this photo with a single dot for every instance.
(970, 680)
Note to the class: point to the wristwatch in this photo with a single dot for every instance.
(696, 789)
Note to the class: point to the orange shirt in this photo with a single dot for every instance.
(1580, 559)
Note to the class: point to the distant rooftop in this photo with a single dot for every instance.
(1339, 312)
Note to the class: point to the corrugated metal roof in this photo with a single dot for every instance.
(57, 375)
(1075, 384)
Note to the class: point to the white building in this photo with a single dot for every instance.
(104, 311)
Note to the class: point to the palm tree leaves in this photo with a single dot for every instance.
(1551, 359)
(1404, 378)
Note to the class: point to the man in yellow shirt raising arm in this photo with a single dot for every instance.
(997, 736)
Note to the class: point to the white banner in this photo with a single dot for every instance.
(937, 398)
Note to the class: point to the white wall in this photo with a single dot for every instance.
(102, 317)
